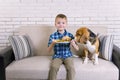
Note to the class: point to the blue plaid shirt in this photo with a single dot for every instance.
(61, 50)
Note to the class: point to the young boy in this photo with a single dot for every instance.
(62, 53)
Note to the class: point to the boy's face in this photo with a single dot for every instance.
(60, 24)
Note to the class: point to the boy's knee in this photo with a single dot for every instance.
(54, 67)
(70, 68)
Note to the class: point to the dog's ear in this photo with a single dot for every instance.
(87, 34)
(79, 32)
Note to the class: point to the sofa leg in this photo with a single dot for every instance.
(2, 76)
(119, 74)
(2, 70)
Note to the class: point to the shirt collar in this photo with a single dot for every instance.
(65, 32)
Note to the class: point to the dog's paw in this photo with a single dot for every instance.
(96, 62)
(75, 56)
(85, 61)
(96, 59)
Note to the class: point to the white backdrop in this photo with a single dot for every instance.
(14, 13)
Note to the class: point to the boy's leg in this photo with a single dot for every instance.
(70, 69)
(55, 65)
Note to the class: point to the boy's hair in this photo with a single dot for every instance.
(61, 16)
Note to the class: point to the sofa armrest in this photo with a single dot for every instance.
(116, 57)
(6, 57)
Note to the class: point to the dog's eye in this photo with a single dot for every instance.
(79, 34)
(86, 38)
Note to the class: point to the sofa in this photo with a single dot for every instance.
(37, 65)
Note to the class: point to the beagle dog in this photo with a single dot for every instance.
(91, 44)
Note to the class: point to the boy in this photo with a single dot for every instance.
(62, 53)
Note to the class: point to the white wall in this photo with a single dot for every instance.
(14, 13)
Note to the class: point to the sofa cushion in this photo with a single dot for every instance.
(21, 46)
(37, 67)
(106, 46)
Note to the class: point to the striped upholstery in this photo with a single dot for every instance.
(21, 46)
(106, 46)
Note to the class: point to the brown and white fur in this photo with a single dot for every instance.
(91, 44)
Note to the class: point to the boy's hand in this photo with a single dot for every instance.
(54, 41)
(73, 43)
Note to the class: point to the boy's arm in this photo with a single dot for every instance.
(51, 46)
(73, 43)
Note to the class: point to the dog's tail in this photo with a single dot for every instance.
(98, 35)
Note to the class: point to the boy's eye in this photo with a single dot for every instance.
(58, 22)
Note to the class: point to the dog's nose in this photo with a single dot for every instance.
(85, 42)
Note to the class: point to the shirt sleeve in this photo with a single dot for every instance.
(72, 37)
(50, 40)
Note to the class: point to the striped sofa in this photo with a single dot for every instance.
(27, 57)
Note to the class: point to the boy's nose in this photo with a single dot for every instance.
(60, 23)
